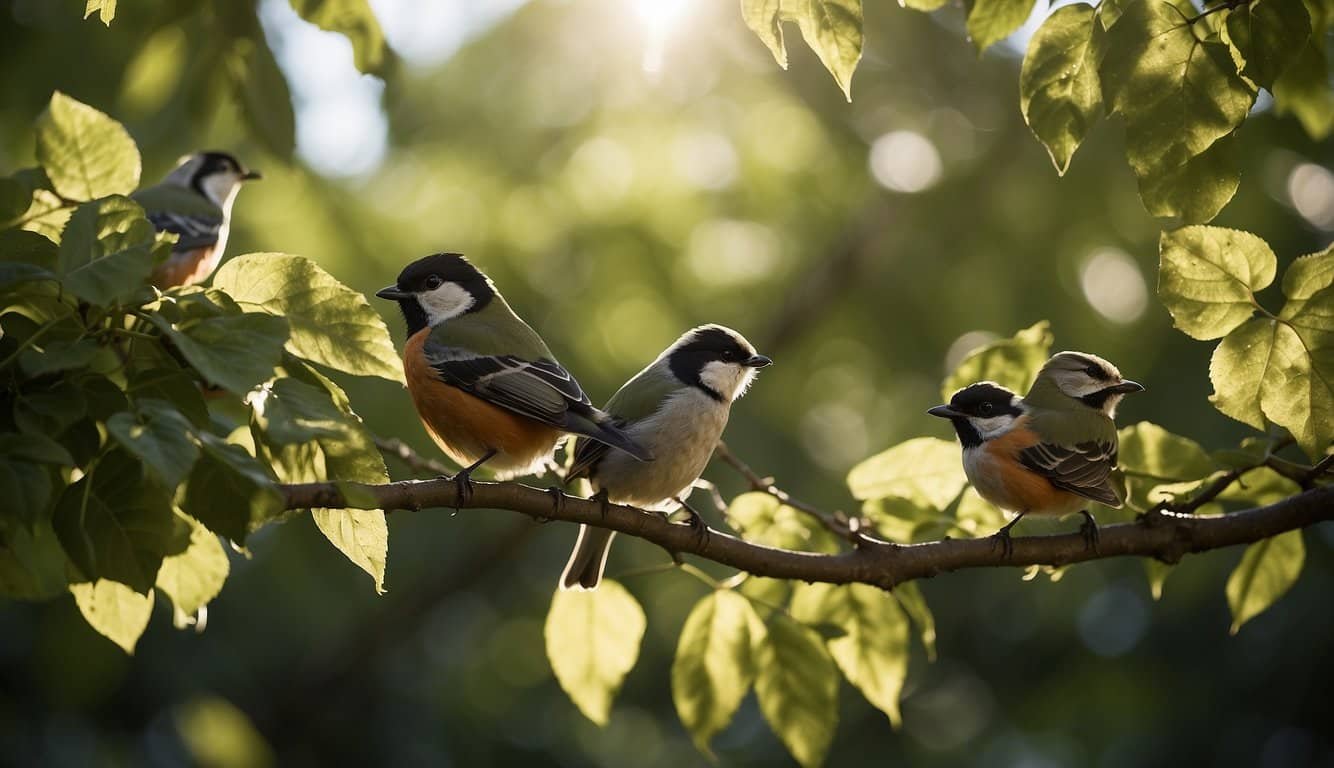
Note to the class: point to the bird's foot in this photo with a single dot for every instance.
(696, 521)
(557, 495)
(1003, 538)
(463, 482)
(1090, 530)
(604, 505)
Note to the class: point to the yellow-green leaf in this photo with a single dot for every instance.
(872, 652)
(355, 20)
(925, 470)
(1207, 277)
(331, 324)
(761, 518)
(833, 29)
(1151, 457)
(105, 10)
(592, 640)
(1305, 277)
(797, 687)
(765, 20)
(1267, 36)
(1196, 190)
(1157, 572)
(114, 610)
(913, 602)
(990, 21)
(361, 534)
(194, 576)
(86, 154)
(1012, 362)
(1267, 570)
(1059, 93)
(714, 664)
(975, 516)
(1303, 90)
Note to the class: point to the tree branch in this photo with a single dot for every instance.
(1164, 535)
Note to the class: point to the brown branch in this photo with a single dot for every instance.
(836, 525)
(1163, 535)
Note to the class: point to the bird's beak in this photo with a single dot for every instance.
(392, 293)
(944, 412)
(251, 176)
(1126, 387)
(757, 361)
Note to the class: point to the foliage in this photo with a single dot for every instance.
(1182, 81)
(124, 476)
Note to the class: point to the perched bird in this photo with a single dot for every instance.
(194, 201)
(486, 386)
(1050, 452)
(677, 407)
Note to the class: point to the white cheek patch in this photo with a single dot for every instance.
(727, 379)
(221, 188)
(1078, 384)
(992, 426)
(447, 301)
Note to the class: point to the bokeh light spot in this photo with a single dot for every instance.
(905, 161)
(730, 252)
(1114, 286)
(705, 160)
(1113, 621)
(1311, 190)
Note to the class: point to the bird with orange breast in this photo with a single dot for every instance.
(1050, 452)
(194, 201)
(485, 385)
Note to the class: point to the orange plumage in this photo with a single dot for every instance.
(467, 427)
(1001, 479)
(186, 268)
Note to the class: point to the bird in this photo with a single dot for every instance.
(194, 202)
(1050, 452)
(677, 407)
(486, 386)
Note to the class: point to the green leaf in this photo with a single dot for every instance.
(925, 470)
(332, 325)
(1151, 457)
(173, 385)
(873, 650)
(25, 256)
(714, 664)
(1178, 92)
(113, 525)
(158, 435)
(1207, 277)
(86, 154)
(194, 576)
(58, 356)
(1303, 90)
(592, 640)
(236, 352)
(764, 19)
(906, 521)
(114, 610)
(913, 602)
(990, 21)
(104, 251)
(105, 10)
(1059, 93)
(1012, 362)
(343, 450)
(261, 90)
(1304, 278)
(229, 491)
(923, 5)
(975, 516)
(32, 564)
(762, 519)
(353, 19)
(833, 29)
(1195, 191)
(1268, 35)
(1157, 573)
(797, 687)
(1267, 570)
(219, 735)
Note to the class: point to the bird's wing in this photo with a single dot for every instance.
(637, 399)
(191, 216)
(541, 390)
(1083, 468)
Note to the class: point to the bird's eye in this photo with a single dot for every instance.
(1094, 372)
(986, 408)
(728, 354)
(433, 282)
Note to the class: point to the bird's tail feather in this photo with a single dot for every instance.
(598, 426)
(584, 570)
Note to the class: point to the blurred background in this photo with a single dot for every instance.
(626, 169)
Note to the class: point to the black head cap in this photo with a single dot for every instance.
(707, 344)
(428, 274)
(984, 400)
(216, 161)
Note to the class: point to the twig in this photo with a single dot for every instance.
(1227, 6)
(765, 485)
(1321, 467)
(1164, 536)
(418, 463)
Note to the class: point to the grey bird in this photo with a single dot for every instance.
(677, 408)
